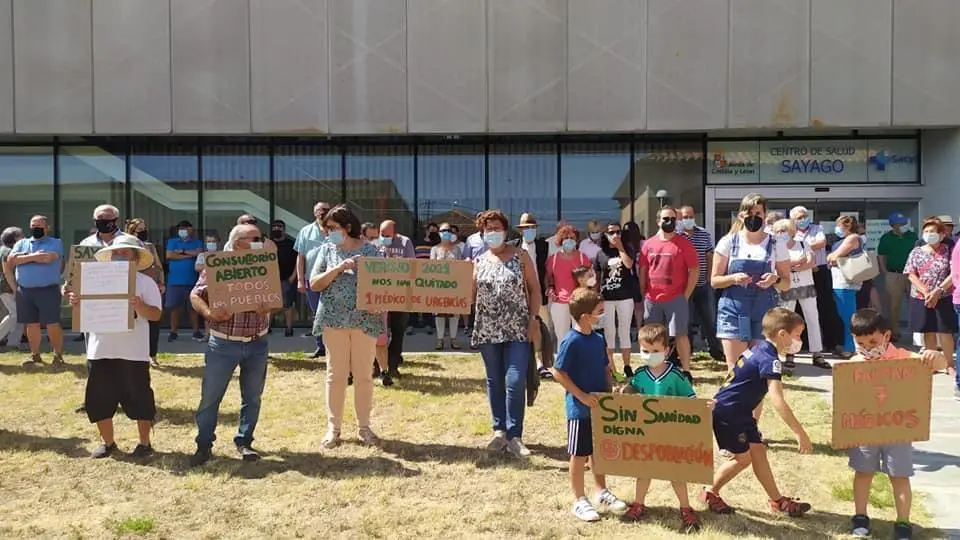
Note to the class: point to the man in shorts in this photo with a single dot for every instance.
(668, 276)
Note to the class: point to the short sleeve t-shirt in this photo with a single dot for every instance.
(583, 357)
(560, 270)
(309, 239)
(668, 264)
(133, 345)
(746, 384)
(36, 274)
(753, 252)
(617, 281)
(671, 382)
(931, 266)
(895, 248)
(182, 271)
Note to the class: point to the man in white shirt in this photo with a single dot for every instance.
(120, 361)
(812, 236)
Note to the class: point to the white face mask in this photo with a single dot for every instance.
(591, 282)
(653, 359)
(595, 236)
(931, 238)
(794, 347)
(256, 245)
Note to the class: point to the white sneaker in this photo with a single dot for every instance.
(367, 437)
(499, 442)
(331, 439)
(584, 510)
(608, 499)
(517, 449)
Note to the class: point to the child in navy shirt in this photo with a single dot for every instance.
(582, 369)
(756, 372)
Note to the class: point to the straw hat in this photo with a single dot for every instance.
(125, 241)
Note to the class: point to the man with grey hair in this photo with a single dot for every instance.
(11, 331)
(106, 221)
(812, 236)
(308, 240)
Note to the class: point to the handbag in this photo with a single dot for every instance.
(858, 268)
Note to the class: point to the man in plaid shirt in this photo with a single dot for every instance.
(238, 339)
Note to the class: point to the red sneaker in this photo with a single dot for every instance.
(714, 503)
(790, 507)
(635, 512)
(689, 522)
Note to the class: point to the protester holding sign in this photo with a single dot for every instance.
(873, 339)
(119, 362)
(349, 334)
(235, 339)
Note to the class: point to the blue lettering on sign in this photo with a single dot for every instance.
(881, 160)
(811, 166)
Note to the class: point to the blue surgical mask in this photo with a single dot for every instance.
(447, 236)
(336, 238)
(493, 239)
(183, 234)
(211, 246)
(386, 240)
(688, 223)
(803, 223)
(839, 232)
(529, 235)
(569, 245)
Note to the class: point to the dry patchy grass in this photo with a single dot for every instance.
(431, 477)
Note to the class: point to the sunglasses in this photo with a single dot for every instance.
(613, 233)
(254, 239)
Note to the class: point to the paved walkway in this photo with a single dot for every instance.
(937, 461)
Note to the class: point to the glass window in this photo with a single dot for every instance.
(305, 175)
(164, 181)
(594, 183)
(380, 185)
(667, 173)
(236, 181)
(450, 185)
(523, 178)
(89, 176)
(26, 185)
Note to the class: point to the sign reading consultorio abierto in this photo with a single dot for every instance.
(239, 281)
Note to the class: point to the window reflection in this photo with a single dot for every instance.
(450, 185)
(523, 178)
(595, 183)
(26, 184)
(236, 180)
(675, 167)
(380, 186)
(89, 176)
(164, 181)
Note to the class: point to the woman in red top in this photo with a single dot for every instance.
(560, 281)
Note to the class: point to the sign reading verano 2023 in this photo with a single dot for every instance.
(239, 281)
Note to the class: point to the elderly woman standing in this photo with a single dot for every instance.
(138, 227)
(560, 281)
(931, 308)
(349, 334)
(845, 291)
(591, 245)
(507, 298)
(801, 289)
(446, 250)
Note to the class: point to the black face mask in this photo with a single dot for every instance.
(143, 235)
(38, 232)
(323, 215)
(276, 234)
(434, 237)
(753, 223)
(105, 226)
(668, 225)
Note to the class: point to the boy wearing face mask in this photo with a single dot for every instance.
(872, 336)
(659, 378)
(756, 373)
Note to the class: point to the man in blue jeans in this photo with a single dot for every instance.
(181, 255)
(237, 339)
(309, 239)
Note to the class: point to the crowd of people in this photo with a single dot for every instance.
(532, 288)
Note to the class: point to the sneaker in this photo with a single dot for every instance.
(367, 437)
(628, 371)
(516, 448)
(104, 450)
(455, 344)
(584, 510)
(714, 503)
(198, 336)
(635, 512)
(689, 522)
(247, 453)
(499, 442)
(201, 456)
(288, 332)
(57, 359)
(608, 499)
(790, 507)
(902, 531)
(860, 526)
(172, 336)
(331, 439)
(142, 451)
(544, 373)
(319, 352)
(34, 360)
(789, 362)
(386, 379)
(439, 346)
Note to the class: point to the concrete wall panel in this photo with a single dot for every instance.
(211, 66)
(528, 65)
(289, 75)
(368, 66)
(447, 78)
(926, 46)
(131, 65)
(6, 66)
(850, 63)
(769, 63)
(686, 64)
(53, 66)
(606, 66)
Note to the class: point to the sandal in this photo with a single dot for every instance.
(819, 362)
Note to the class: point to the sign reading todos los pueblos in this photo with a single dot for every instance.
(414, 285)
(239, 281)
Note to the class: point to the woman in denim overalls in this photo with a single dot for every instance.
(747, 284)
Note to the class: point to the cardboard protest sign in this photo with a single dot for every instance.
(668, 438)
(415, 285)
(881, 402)
(239, 281)
(77, 255)
(104, 289)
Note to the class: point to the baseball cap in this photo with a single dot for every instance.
(897, 218)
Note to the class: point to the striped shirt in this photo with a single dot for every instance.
(703, 244)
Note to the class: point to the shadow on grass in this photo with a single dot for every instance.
(78, 370)
(805, 388)
(934, 461)
(297, 364)
(313, 464)
(15, 441)
(817, 524)
(181, 371)
(420, 364)
(448, 454)
(441, 386)
(791, 445)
